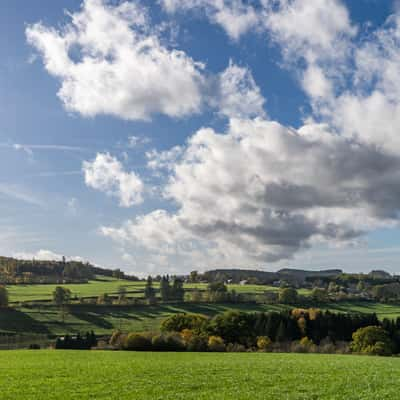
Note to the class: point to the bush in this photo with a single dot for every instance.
(288, 296)
(179, 322)
(233, 326)
(197, 343)
(169, 342)
(235, 348)
(379, 349)
(216, 343)
(117, 339)
(264, 343)
(137, 342)
(371, 340)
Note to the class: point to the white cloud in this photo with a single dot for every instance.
(73, 206)
(261, 192)
(309, 29)
(20, 193)
(44, 255)
(136, 141)
(106, 173)
(109, 61)
(236, 17)
(157, 160)
(239, 97)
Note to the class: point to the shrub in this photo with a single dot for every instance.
(216, 343)
(379, 349)
(235, 348)
(186, 335)
(168, 342)
(179, 322)
(305, 341)
(197, 343)
(117, 339)
(288, 296)
(137, 342)
(233, 326)
(371, 340)
(104, 299)
(264, 343)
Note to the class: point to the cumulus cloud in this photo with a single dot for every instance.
(110, 61)
(261, 192)
(239, 95)
(370, 110)
(107, 174)
(311, 33)
(310, 29)
(236, 17)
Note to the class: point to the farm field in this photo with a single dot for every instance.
(59, 375)
(26, 293)
(105, 319)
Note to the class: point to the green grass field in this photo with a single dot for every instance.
(41, 318)
(27, 293)
(23, 293)
(108, 375)
(104, 319)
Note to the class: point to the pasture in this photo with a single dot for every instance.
(47, 319)
(108, 375)
(38, 292)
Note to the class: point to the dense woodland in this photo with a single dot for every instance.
(13, 271)
(296, 330)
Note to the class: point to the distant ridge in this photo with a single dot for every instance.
(267, 277)
(15, 271)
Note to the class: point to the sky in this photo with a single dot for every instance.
(176, 135)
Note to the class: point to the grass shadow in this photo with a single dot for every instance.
(12, 320)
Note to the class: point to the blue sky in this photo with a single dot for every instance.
(76, 176)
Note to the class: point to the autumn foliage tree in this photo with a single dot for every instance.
(371, 340)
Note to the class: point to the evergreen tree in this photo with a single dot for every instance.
(281, 334)
(149, 291)
(165, 289)
(3, 296)
(178, 292)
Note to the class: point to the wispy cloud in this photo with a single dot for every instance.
(21, 194)
(29, 148)
(50, 174)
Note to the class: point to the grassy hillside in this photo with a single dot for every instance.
(56, 375)
(104, 319)
(94, 288)
(22, 293)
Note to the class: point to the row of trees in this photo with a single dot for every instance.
(13, 271)
(244, 328)
(298, 330)
(168, 291)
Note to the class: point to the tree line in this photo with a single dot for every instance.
(299, 330)
(14, 271)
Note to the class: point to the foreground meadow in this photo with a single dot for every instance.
(110, 375)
